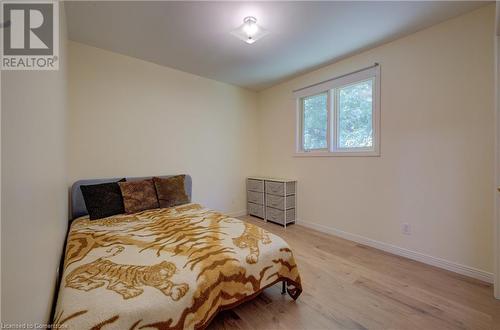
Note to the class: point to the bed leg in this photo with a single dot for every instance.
(283, 288)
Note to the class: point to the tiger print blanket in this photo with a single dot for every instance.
(172, 268)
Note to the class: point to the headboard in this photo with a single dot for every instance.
(78, 208)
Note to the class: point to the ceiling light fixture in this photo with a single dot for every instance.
(249, 31)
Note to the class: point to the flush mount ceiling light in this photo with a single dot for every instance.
(249, 31)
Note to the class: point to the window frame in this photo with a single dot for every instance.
(332, 87)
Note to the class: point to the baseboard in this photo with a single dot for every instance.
(237, 213)
(427, 259)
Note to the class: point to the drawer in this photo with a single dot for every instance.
(255, 185)
(255, 197)
(256, 210)
(278, 188)
(279, 216)
(278, 202)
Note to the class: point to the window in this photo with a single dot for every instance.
(315, 122)
(340, 117)
(355, 115)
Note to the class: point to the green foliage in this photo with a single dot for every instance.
(355, 115)
(355, 129)
(315, 123)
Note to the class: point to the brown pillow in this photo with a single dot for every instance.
(139, 195)
(171, 190)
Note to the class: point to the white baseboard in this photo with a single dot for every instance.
(237, 213)
(427, 259)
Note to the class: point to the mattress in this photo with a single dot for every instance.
(171, 268)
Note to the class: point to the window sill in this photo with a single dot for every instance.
(337, 154)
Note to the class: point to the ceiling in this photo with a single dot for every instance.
(195, 36)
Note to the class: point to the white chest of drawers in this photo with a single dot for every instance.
(272, 199)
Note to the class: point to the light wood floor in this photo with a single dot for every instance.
(351, 286)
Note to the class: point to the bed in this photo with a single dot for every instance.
(167, 268)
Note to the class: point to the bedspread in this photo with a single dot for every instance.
(171, 268)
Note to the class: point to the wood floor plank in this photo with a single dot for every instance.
(351, 286)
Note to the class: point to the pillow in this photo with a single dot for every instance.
(171, 191)
(139, 195)
(103, 200)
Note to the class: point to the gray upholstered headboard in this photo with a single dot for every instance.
(78, 208)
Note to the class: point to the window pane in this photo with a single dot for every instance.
(315, 122)
(355, 128)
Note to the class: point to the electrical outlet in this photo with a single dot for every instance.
(406, 228)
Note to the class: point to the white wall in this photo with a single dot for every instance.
(34, 188)
(436, 166)
(133, 118)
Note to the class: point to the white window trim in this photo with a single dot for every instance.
(327, 86)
